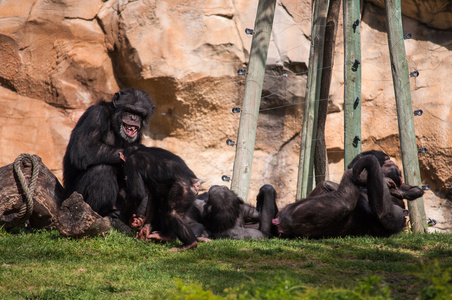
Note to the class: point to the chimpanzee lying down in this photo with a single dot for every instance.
(220, 213)
(359, 205)
(164, 181)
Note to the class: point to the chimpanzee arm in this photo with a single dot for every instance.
(409, 192)
(391, 216)
(88, 145)
(137, 195)
(180, 199)
(249, 214)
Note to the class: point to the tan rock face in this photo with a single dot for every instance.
(57, 52)
(60, 57)
(33, 126)
(433, 13)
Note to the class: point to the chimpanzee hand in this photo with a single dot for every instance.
(390, 183)
(137, 222)
(144, 232)
(121, 156)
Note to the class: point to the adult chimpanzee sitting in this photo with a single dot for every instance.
(347, 209)
(92, 163)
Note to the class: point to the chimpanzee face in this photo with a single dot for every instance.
(133, 108)
(130, 126)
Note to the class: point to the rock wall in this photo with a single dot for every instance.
(59, 57)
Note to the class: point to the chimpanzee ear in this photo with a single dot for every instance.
(116, 98)
(208, 210)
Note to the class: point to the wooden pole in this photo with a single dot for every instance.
(320, 153)
(309, 131)
(252, 98)
(400, 77)
(352, 80)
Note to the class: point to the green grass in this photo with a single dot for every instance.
(45, 265)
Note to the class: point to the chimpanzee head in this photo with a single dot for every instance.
(133, 108)
(391, 170)
(222, 209)
(380, 155)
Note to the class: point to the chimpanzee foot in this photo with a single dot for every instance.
(185, 247)
(204, 240)
(144, 232)
(158, 237)
(114, 214)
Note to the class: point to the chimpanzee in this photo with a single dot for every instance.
(225, 215)
(92, 163)
(168, 185)
(329, 186)
(393, 177)
(347, 209)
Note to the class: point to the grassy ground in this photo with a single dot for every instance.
(44, 265)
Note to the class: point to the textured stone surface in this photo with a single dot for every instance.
(59, 57)
(433, 13)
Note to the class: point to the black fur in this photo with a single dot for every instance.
(225, 215)
(333, 210)
(380, 155)
(92, 165)
(167, 183)
(266, 206)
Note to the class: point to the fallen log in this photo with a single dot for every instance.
(45, 195)
(77, 219)
(31, 195)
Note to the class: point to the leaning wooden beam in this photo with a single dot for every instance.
(305, 179)
(252, 98)
(400, 77)
(320, 153)
(352, 81)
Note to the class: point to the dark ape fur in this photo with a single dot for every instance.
(393, 177)
(331, 211)
(225, 214)
(167, 184)
(266, 206)
(397, 188)
(388, 217)
(380, 155)
(92, 163)
(195, 215)
(323, 215)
